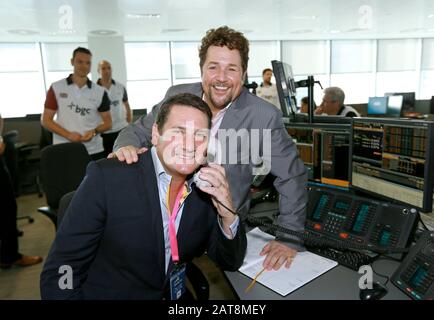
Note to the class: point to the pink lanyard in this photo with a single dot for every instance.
(172, 230)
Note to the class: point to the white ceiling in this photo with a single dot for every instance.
(75, 20)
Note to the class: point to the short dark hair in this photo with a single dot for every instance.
(305, 100)
(225, 36)
(82, 50)
(183, 99)
(265, 70)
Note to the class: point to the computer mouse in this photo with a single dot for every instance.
(377, 292)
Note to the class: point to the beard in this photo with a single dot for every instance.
(219, 102)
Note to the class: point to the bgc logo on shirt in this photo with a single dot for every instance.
(82, 111)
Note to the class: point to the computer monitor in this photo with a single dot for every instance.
(409, 100)
(285, 87)
(377, 106)
(431, 106)
(394, 106)
(324, 149)
(393, 159)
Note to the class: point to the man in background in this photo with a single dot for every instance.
(119, 107)
(268, 90)
(9, 253)
(82, 107)
(333, 104)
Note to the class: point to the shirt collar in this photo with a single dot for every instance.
(99, 81)
(222, 110)
(69, 81)
(161, 173)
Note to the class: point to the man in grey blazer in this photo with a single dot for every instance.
(223, 61)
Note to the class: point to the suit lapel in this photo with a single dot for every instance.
(197, 90)
(150, 192)
(236, 113)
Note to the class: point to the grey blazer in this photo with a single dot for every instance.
(246, 112)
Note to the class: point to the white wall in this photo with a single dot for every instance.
(110, 48)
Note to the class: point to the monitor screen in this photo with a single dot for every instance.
(285, 87)
(409, 100)
(377, 106)
(324, 149)
(394, 106)
(393, 159)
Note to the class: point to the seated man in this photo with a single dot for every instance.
(333, 104)
(304, 106)
(130, 229)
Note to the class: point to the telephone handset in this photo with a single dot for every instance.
(214, 155)
(415, 275)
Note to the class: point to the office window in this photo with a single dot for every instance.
(428, 54)
(352, 56)
(148, 72)
(57, 60)
(358, 87)
(399, 81)
(426, 84)
(396, 66)
(21, 79)
(306, 57)
(397, 55)
(185, 62)
(427, 72)
(260, 55)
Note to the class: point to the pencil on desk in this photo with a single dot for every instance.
(254, 281)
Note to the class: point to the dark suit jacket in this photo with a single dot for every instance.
(249, 112)
(112, 236)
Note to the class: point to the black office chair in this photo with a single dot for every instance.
(22, 158)
(63, 167)
(197, 279)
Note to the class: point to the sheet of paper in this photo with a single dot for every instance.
(304, 268)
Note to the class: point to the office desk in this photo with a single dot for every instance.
(340, 283)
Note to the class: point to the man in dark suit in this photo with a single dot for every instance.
(224, 55)
(130, 229)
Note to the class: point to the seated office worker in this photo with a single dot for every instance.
(118, 234)
(119, 107)
(223, 56)
(333, 104)
(82, 107)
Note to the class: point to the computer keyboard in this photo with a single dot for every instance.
(350, 259)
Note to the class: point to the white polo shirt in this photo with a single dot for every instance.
(77, 109)
(269, 94)
(117, 95)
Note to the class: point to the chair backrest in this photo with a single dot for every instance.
(63, 206)
(46, 138)
(63, 167)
